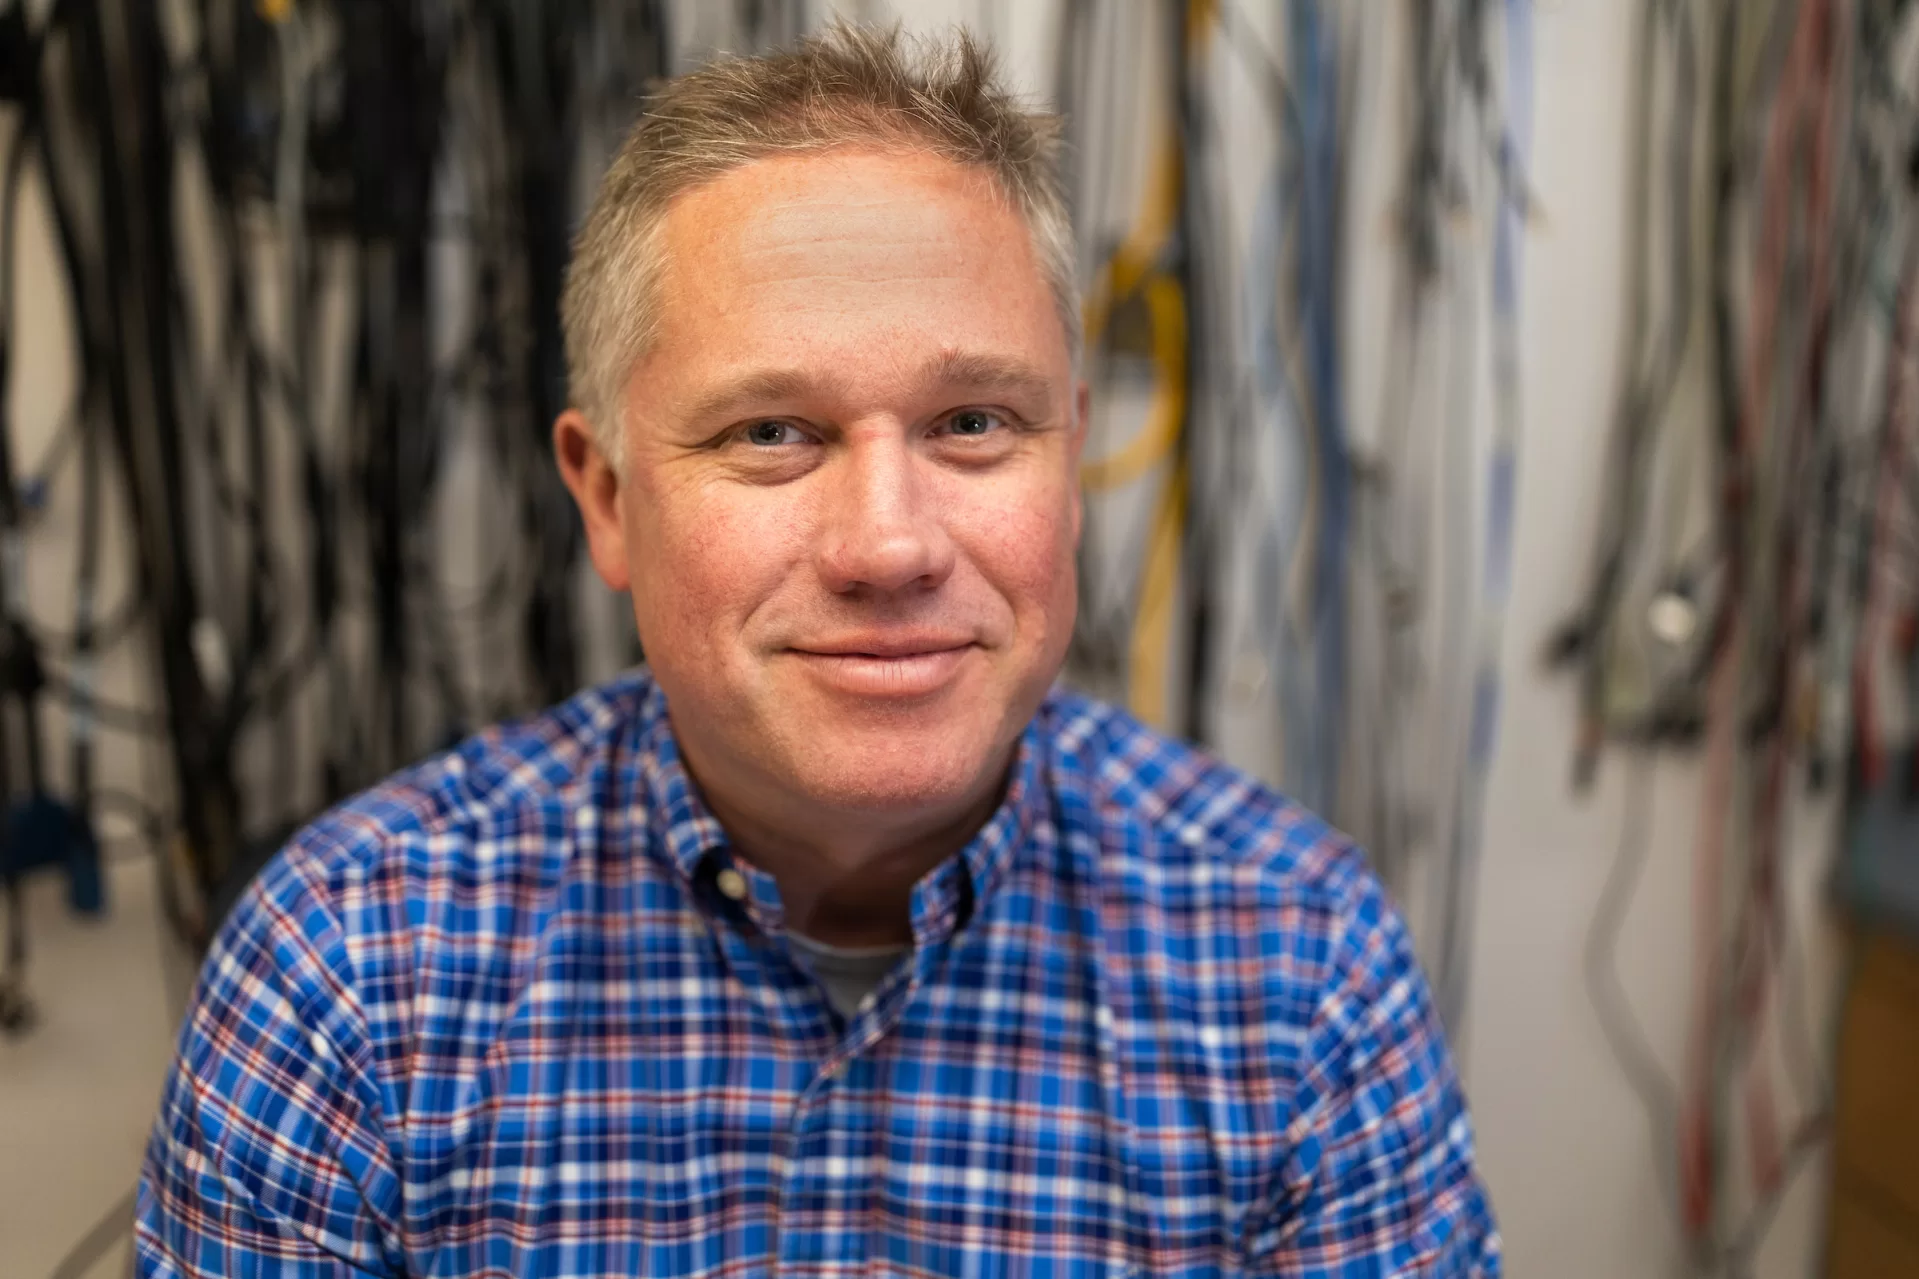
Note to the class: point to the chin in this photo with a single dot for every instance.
(886, 768)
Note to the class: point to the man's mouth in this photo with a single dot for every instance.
(886, 665)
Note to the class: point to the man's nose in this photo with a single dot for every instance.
(884, 533)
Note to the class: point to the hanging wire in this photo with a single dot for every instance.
(279, 495)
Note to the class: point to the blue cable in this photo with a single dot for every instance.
(1278, 409)
(1316, 86)
(1513, 162)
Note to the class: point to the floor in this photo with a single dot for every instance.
(77, 1092)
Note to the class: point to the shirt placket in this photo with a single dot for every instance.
(749, 924)
(823, 1170)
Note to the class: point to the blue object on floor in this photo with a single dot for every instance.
(41, 831)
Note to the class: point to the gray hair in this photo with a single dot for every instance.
(849, 86)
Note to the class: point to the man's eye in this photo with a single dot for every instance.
(973, 422)
(773, 432)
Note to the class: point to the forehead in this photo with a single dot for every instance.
(850, 253)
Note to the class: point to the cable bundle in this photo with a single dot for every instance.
(1753, 578)
(1312, 583)
(312, 251)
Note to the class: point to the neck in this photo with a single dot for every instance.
(846, 877)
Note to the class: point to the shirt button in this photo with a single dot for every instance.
(732, 883)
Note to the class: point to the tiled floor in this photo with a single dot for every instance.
(77, 1092)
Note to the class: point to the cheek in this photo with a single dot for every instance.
(1023, 545)
(704, 558)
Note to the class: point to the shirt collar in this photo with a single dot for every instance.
(949, 894)
(681, 825)
(690, 838)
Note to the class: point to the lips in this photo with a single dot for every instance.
(894, 666)
(887, 644)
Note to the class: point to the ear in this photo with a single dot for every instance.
(595, 484)
(1082, 415)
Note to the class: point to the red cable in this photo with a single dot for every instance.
(1810, 52)
(1868, 736)
(1815, 104)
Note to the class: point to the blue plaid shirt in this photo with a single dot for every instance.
(495, 1018)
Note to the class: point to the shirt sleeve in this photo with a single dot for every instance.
(268, 1155)
(1380, 1179)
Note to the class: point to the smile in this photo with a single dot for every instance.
(903, 674)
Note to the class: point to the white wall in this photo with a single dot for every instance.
(1567, 1149)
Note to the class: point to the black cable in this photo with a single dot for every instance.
(118, 88)
(1657, 347)
(1625, 1038)
(20, 680)
(26, 674)
(195, 437)
(118, 626)
(200, 440)
(37, 480)
(16, 1009)
(542, 122)
(1071, 48)
(1261, 65)
(1387, 511)
(1198, 271)
(1102, 633)
(22, 657)
(114, 716)
(152, 824)
(1738, 1256)
(240, 135)
(395, 78)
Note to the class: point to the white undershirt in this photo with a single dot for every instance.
(847, 973)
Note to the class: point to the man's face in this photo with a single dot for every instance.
(849, 510)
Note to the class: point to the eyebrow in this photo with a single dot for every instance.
(753, 388)
(981, 371)
(975, 370)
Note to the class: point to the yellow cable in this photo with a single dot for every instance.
(1133, 267)
(1127, 268)
(1154, 442)
(1123, 272)
(1153, 618)
(1153, 622)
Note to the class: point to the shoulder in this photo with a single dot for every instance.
(391, 932)
(432, 882)
(1234, 919)
(1169, 810)
(476, 810)
(1218, 893)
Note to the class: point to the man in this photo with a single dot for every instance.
(834, 942)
